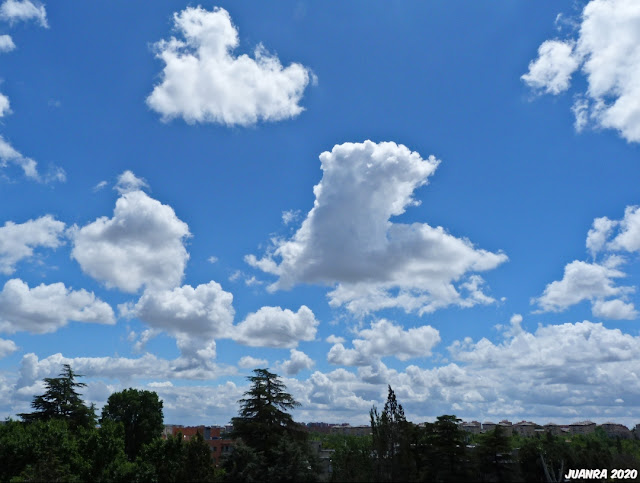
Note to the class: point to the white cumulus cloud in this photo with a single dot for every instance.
(553, 68)
(203, 81)
(125, 369)
(581, 281)
(7, 347)
(614, 309)
(9, 155)
(141, 245)
(598, 234)
(6, 45)
(248, 362)
(195, 316)
(298, 361)
(347, 239)
(607, 51)
(597, 281)
(276, 327)
(18, 240)
(9, 152)
(46, 308)
(22, 10)
(385, 338)
(628, 236)
(128, 182)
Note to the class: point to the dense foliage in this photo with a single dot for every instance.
(62, 401)
(141, 414)
(271, 445)
(60, 440)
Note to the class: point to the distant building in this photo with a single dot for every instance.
(615, 430)
(554, 429)
(214, 436)
(506, 427)
(348, 430)
(525, 428)
(324, 458)
(488, 426)
(319, 427)
(582, 427)
(473, 427)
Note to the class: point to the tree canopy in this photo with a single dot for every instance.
(141, 414)
(263, 411)
(273, 445)
(62, 401)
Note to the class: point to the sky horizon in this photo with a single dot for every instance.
(442, 197)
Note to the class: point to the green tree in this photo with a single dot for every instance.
(351, 460)
(62, 401)
(50, 451)
(494, 455)
(140, 412)
(388, 430)
(448, 442)
(273, 445)
(263, 413)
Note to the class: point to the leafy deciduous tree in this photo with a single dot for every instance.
(141, 414)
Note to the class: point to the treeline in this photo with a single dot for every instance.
(63, 440)
(399, 450)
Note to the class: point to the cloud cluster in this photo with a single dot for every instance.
(13, 11)
(194, 316)
(607, 51)
(18, 240)
(383, 339)
(46, 308)
(348, 239)
(276, 327)
(124, 369)
(585, 281)
(596, 281)
(23, 10)
(298, 361)
(9, 155)
(203, 81)
(557, 372)
(141, 245)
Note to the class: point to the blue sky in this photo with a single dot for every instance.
(440, 196)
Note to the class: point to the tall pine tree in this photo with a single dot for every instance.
(62, 401)
(264, 413)
(274, 447)
(390, 432)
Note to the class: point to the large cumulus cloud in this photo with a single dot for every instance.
(141, 245)
(607, 51)
(349, 241)
(203, 81)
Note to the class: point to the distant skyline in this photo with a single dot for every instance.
(443, 197)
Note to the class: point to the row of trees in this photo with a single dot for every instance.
(399, 450)
(62, 440)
